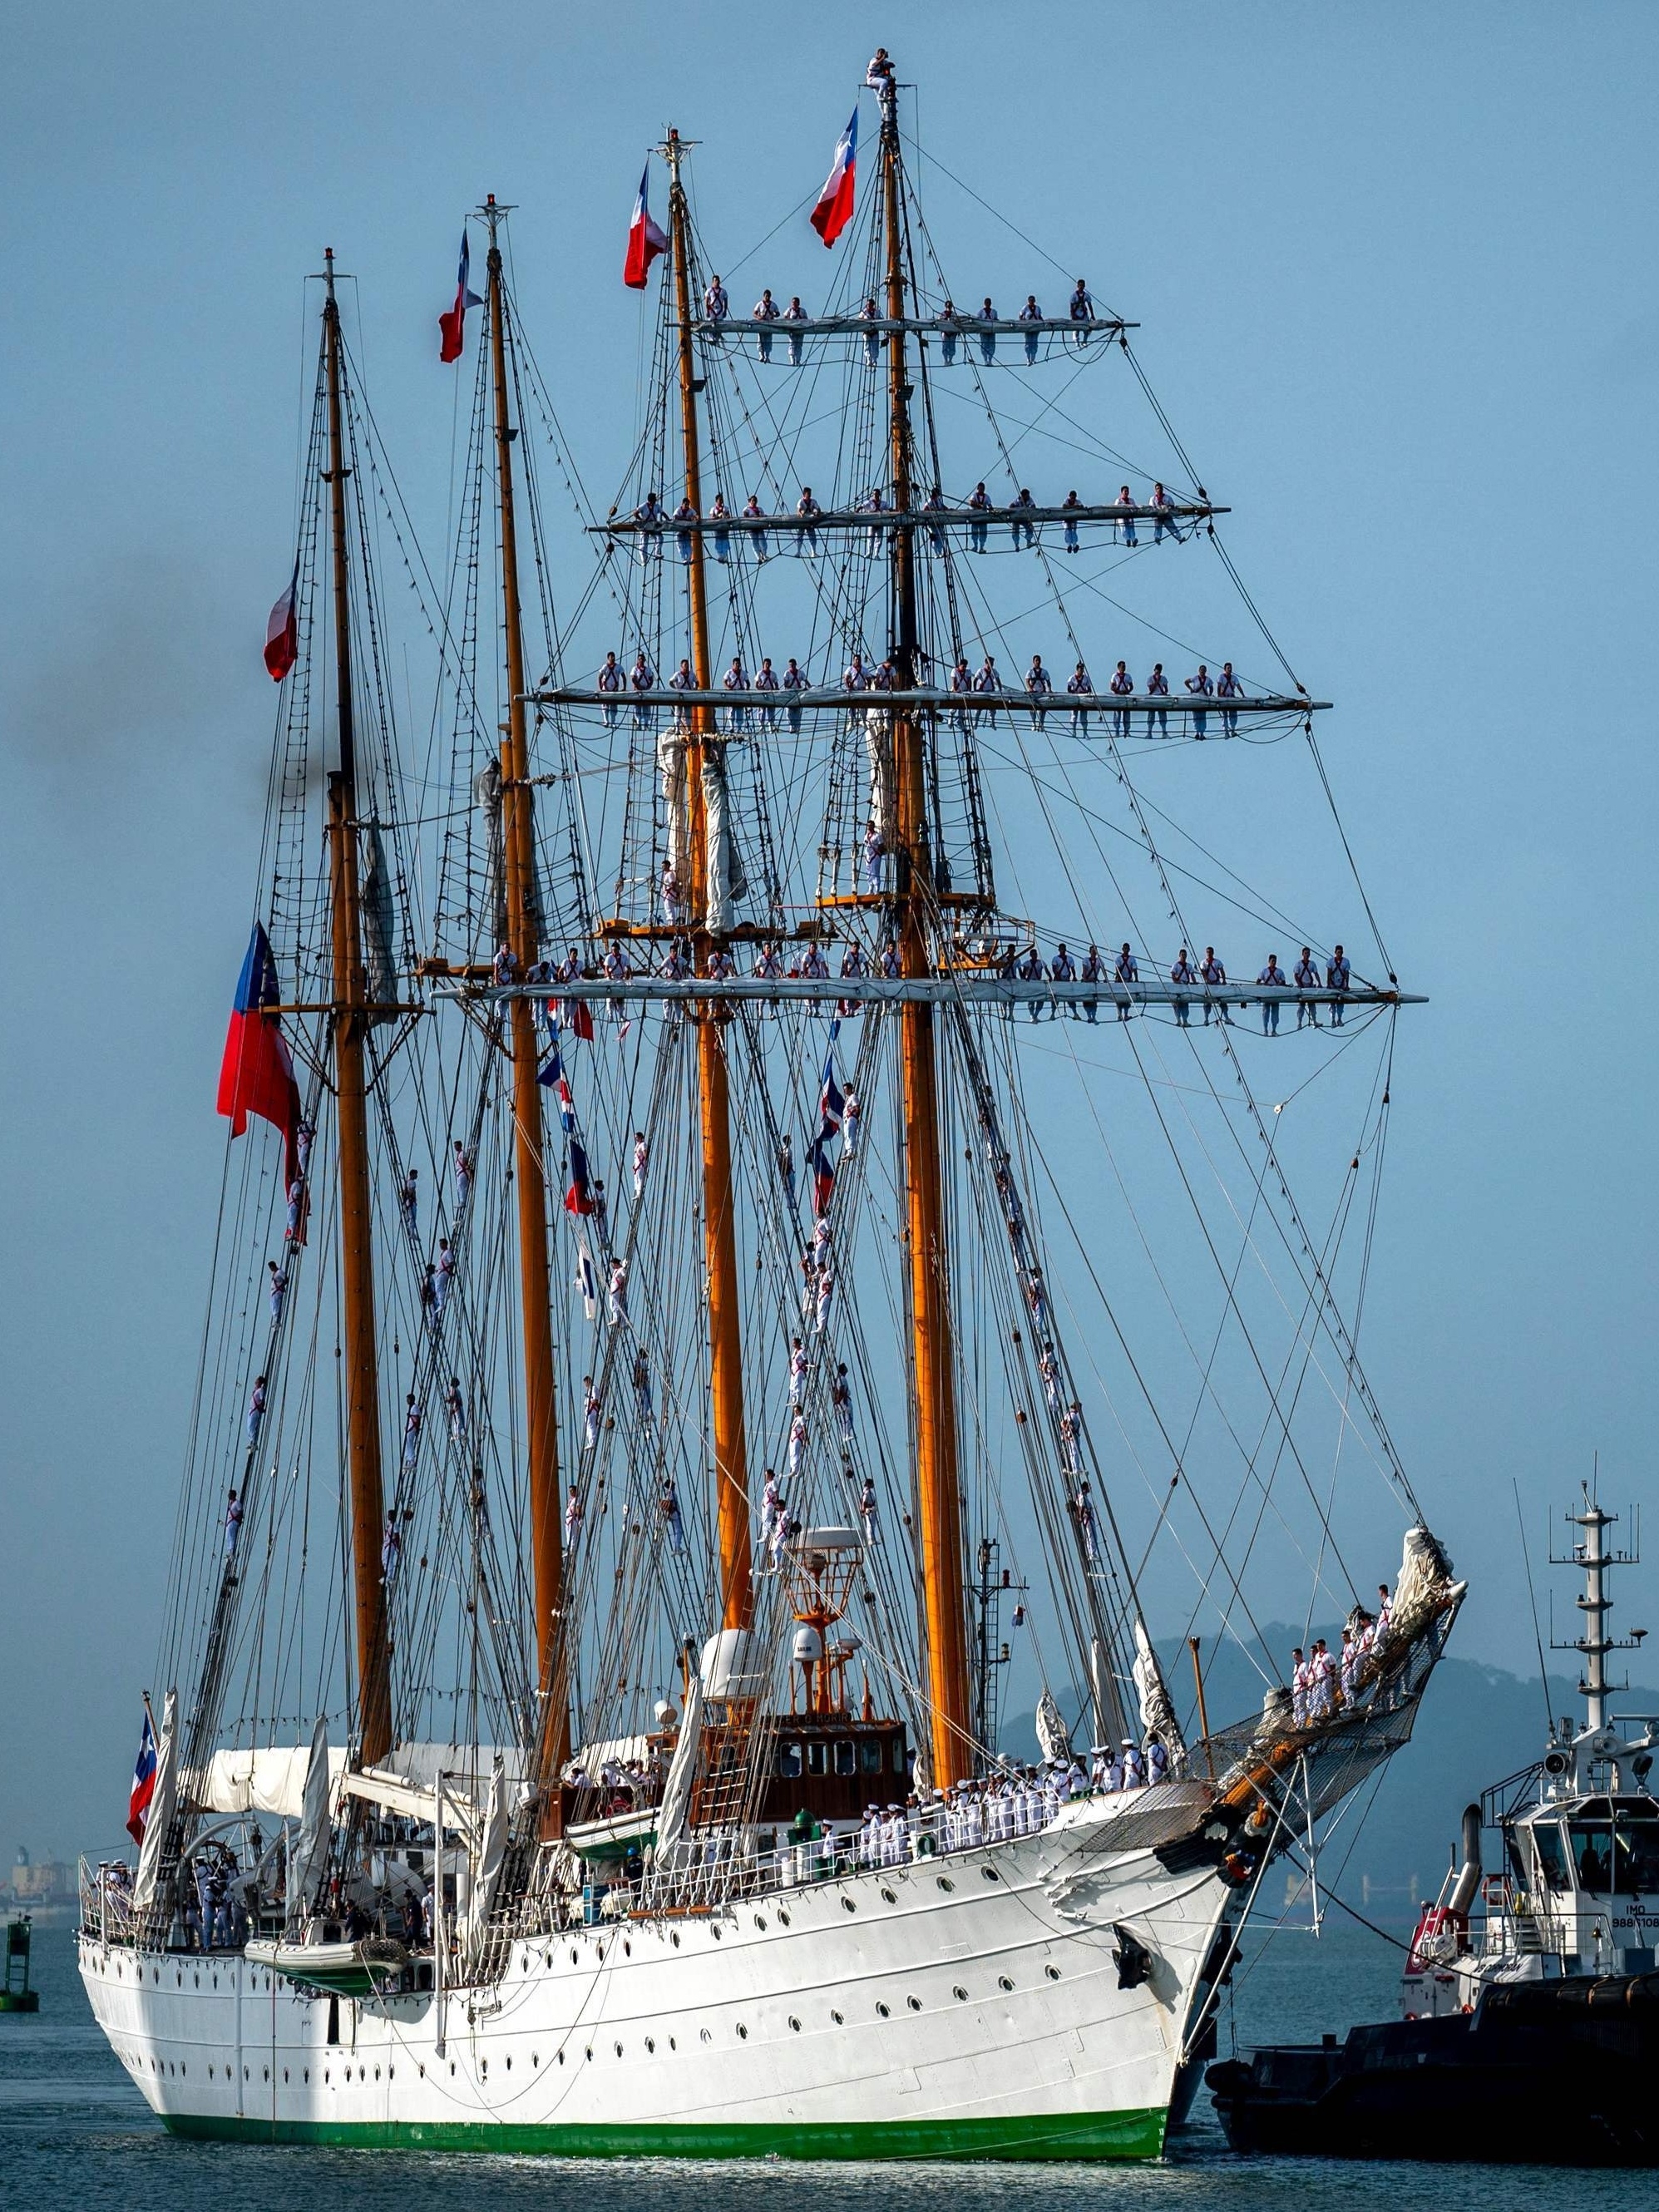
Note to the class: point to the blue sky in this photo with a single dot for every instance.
(1393, 269)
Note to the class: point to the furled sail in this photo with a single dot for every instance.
(379, 923)
(310, 1855)
(726, 880)
(676, 1809)
(487, 1858)
(1157, 1716)
(1054, 1737)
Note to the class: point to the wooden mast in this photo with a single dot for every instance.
(719, 1224)
(530, 1172)
(349, 1027)
(937, 1482)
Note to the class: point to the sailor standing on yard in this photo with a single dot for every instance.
(1306, 978)
(1182, 972)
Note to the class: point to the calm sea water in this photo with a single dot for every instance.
(76, 2136)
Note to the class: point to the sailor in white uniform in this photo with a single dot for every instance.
(794, 313)
(1030, 313)
(649, 511)
(617, 1292)
(609, 681)
(413, 1421)
(1306, 976)
(1068, 505)
(1163, 516)
(1128, 974)
(867, 1508)
(443, 1275)
(809, 508)
(870, 312)
(960, 686)
(797, 1365)
(1122, 686)
(794, 683)
(735, 684)
(232, 1525)
(720, 514)
(455, 1407)
(670, 1504)
(1093, 971)
(1081, 309)
(1022, 505)
(988, 685)
(1039, 688)
(979, 506)
(948, 326)
(391, 1547)
(934, 504)
(256, 1409)
(1158, 687)
(278, 1288)
(766, 310)
(715, 305)
(797, 1444)
(461, 1167)
(642, 678)
(1201, 687)
(573, 1519)
(752, 513)
(685, 513)
(1183, 972)
(1213, 972)
(1080, 685)
(1227, 686)
(1124, 500)
(1062, 969)
(1273, 976)
(988, 338)
(1339, 973)
(1299, 1689)
(841, 1398)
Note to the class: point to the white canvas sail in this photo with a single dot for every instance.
(487, 1859)
(310, 1854)
(1054, 1737)
(676, 1808)
(1157, 1712)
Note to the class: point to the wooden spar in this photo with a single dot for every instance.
(349, 1028)
(530, 1172)
(719, 1222)
(937, 1481)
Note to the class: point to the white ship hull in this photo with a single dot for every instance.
(969, 2005)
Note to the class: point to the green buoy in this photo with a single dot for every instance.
(15, 1995)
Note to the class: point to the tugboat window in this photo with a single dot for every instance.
(1546, 1841)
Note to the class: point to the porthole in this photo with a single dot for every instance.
(703, 2036)
(573, 1956)
(1003, 1982)
(836, 2017)
(452, 2068)
(783, 1917)
(715, 1933)
(672, 2045)
(794, 2023)
(674, 1937)
(534, 2060)
(588, 2053)
(377, 2070)
(651, 2043)
(743, 2032)
(284, 2073)
(179, 1977)
(888, 1895)
(990, 1874)
(884, 2012)
(509, 2069)
(960, 1994)
(760, 1922)
(1053, 1973)
(267, 2072)
(246, 2075)
(915, 2003)
(619, 2051)
(305, 2076)
(391, 2072)
(848, 1906)
(197, 1978)
(945, 1883)
(627, 1948)
(561, 2058)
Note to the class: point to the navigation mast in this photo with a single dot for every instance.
(719, 1224)
(933, 1350)
(350, 1024)
(530, 1172)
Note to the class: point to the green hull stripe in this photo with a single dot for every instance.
(1131, 2134)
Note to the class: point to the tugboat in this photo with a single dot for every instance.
(1529, 1999)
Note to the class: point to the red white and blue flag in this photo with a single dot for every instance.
(834, 208)
(144, 1780)
(645, 241)
(830, 1105)
(256, 1075)
(451, 324)
(283, 630)
(579, 1199)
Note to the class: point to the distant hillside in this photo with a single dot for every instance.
(1477, 1725)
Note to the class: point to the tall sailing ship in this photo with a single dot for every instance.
(734, 1290)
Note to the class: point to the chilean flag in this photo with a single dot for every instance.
(256, 1075)
(579, 1199)
(452, 325)
(144, 1780)
(830, 1106)
(645, 241)
(283, 630)
(834, 208)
